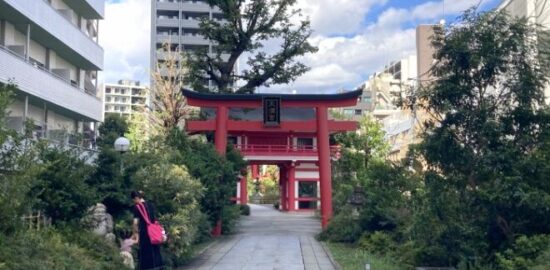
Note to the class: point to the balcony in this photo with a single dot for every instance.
(195, 6)
(46, 85)
(169, 39)
(190, 24)
(54, 30)
(196, 39)
(168, 22)
(168, 5)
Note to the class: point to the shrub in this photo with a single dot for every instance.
(342, 228)
(175, 195)
(245, 209)
(57, 249)
(526, 253)
(63, 188)
(230, 215)
(378, 242)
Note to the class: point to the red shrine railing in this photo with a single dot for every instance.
(266, 149)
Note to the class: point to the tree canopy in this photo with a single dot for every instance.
(244, 29)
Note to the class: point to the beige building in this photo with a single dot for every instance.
(50, 50)
(402, 129)
(125, 98)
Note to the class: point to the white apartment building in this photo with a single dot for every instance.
(49, 49)
(125, 98)
(537, 12)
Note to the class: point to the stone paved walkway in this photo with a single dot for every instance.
(268, 239)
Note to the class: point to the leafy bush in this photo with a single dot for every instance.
(63, 188)
(57, 249)
(175, 195)
(217, 174)
(526, 253)
(342, 228)
(230, 216)
(377, 243)
(245, 209)
(18, 168)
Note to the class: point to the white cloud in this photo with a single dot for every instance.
(329, 17)
(370, 47)
(125, 38)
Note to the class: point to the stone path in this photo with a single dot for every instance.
(268, 239)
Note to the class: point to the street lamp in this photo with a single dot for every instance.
(122, 145)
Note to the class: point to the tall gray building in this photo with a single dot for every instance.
(177, 22)
(49, 49)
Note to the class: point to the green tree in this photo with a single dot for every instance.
(368, 140)
(245, 28)
(170, 108)
(113, 185)
(486, 180)
(63, 189)
(138, 131)
(17, 167)
(218, 175)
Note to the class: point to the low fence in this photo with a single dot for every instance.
(36, 221)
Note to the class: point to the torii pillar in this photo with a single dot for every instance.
(221, 145)
(323, 150)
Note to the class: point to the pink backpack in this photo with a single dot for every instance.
(156, 233)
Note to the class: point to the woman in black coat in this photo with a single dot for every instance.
(148, 255)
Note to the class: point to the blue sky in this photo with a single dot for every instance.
(355, 38)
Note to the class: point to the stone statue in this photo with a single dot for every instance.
(101, 222)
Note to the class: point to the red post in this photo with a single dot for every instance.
(323, 150)
(283, 195)
(244, 190)
(291, 187)
(255, 173)
(221, 144)
(221, 130)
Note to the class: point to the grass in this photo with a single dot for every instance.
(351, 258)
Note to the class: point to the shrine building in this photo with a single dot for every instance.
(288, 130)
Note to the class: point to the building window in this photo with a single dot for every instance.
(348, 112)
(307, 189)
(108, 90)
(108, 99)
(232, 140)
(357, 112)
(304, 142)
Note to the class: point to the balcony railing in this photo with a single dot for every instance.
(266, 149)
(41, 67)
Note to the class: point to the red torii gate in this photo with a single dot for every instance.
(274, 122)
